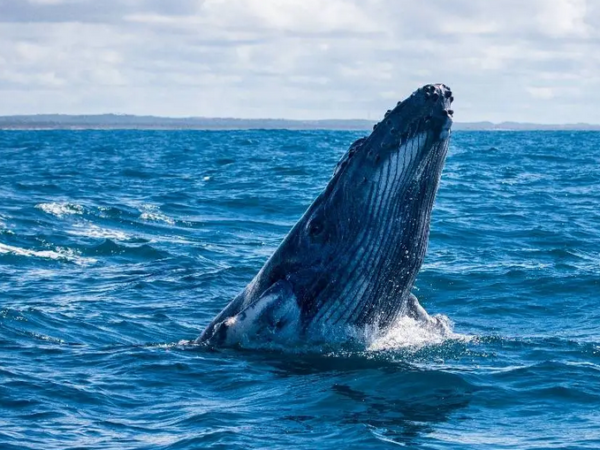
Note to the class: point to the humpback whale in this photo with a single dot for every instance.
(350, 262)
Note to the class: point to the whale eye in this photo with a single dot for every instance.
(315, 227)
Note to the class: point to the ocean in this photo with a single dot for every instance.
(118, 247)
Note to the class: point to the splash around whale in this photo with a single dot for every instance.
(345, 271)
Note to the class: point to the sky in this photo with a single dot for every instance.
(505, 60)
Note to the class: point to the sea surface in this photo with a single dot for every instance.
(118, 247)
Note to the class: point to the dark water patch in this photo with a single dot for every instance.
(112, 248)
(43, 187)
(224, 161)
(136, 173)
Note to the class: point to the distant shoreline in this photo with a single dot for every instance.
(131, 122)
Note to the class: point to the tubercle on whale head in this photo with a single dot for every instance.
(427, 108)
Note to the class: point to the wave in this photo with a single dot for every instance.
(111, 248)
(59, 254)
(60, 209)
(151, 213)
(87, 229)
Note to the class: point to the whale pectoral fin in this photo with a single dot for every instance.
(418, 313)
(274, 312)
(415, 310)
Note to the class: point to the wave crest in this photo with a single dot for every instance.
(59, 254)
(60, 209)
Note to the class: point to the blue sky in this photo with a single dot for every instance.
(521, 60)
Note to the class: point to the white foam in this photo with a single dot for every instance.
(412, 335)
(154, 217)
(90, 230)
(152, 214)
(60, 254)
(60, 209)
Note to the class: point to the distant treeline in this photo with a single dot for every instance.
(116, 121)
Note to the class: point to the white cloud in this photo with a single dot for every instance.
(542, 93)
(505, 60)
(564, 17)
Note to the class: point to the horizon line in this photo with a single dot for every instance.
(112, 121)
(281, 119)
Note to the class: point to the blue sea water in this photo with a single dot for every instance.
(118, 247)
